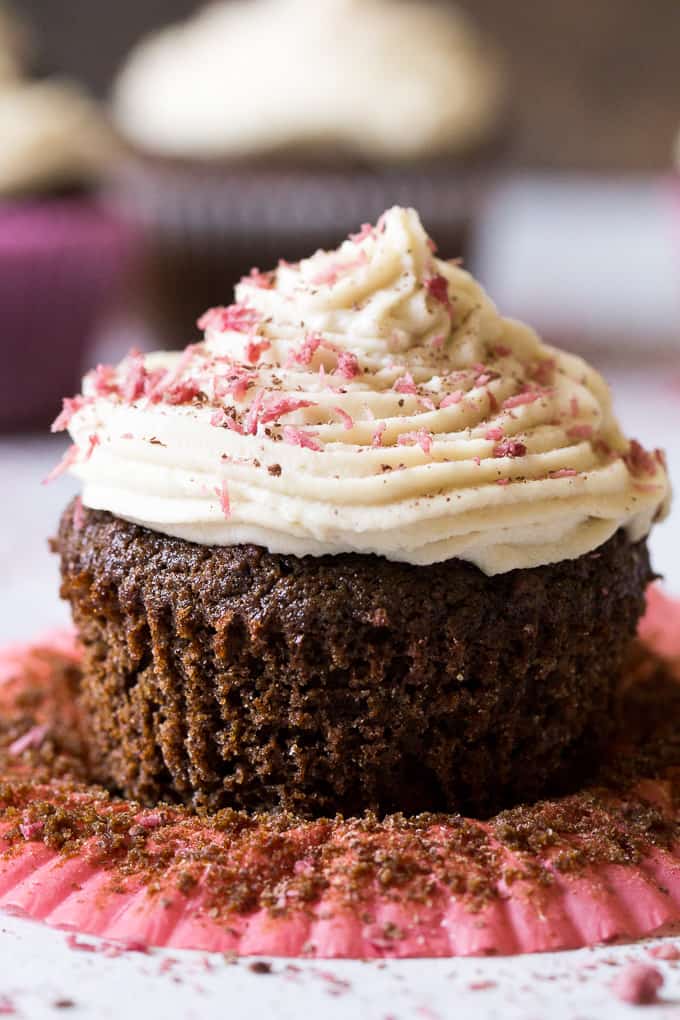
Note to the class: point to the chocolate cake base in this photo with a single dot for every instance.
(231, 677)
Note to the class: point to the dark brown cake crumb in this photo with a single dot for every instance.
(260, 967)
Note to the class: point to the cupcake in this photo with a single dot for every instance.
(367, 545)
(270, 128)
(60, 254)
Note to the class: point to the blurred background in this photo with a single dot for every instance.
(143, 171)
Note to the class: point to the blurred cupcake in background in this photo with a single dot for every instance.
(262, 127)
(60, 252)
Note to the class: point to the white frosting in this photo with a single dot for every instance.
(431, 426)
(51, 133)
(386, 79)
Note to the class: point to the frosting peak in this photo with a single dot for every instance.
(383, 79)
(369, 399)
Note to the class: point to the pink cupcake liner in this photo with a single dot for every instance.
(61, 261)
(558, 910)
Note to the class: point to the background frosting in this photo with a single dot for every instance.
(382, 78)
(373, 400)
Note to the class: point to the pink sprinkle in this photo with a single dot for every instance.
(580, 431)
(252, 417)
(405, 384)
(218, 418)
(438, 341)
(574, 406)
(437, 287)
(509, 448)
(237, 317)
(279, 406)
(327, 276)
(32, 738)
(665, 951)
(258, 279)
(70, 406)
(638, 984)
(347, 420)
(427, 403)
(485, 378)
(494, 433)
(639, 461)
(30, 829)
(520, 398)
(431, 245)
(73, 942)
(502, 481)
(93, 440)
(135, 377)
(452, 398)
(253, 350)
(502, 351)
(307, 350)
(78, 514)
(223, 493)
(563, 473)
(301, 437)
(104, 380)
(376, 438)
(64, 464)
(348, 365)
(419, 436)
(477, 461)
(367, 230)
(236, 383)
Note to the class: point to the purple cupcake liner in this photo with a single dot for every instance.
(61, 265)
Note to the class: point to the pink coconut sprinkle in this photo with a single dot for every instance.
(638, 984)
(32, 738)
(347, 420)
(437, 287)
(70, 406)
(305, 438)
(274, 408)
(580, 431)
(30, 829)
(64, 464)
(306, 351)
(348, 365)
(405, 384)
(376, 438)
(367, 230)
(666, 951)
(236, 383)
(420, 436)
(520, 398)
(639, 461)
(254, 350)
(452, 398)
(502, 481)
(509, 448)
(563, 473)
(257, 279)
(237, 317)
(494, 433)
(134, 380)
(223, 494)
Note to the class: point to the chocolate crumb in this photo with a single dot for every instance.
(260, 967)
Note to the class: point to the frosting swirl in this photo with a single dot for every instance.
(382, 79)
(370, 399)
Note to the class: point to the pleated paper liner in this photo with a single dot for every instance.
(598, 866)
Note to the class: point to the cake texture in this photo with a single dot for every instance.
(368, 545)
(230, 676)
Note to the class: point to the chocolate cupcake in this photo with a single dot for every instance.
(59, 250)
(271, 128)
(368, 545)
